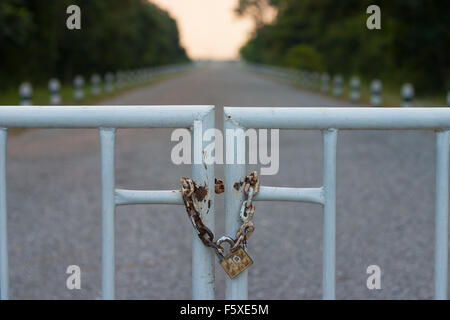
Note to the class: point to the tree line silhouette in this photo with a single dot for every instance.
(115, 34)
(327, 35)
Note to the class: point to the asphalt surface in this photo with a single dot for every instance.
(385, 205)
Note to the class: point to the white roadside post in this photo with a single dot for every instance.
(316, 80)
(325, 82)
(119, 79)
(150, 74)
(310, 80)
(354, 89)
(376, 87)
(124, 78)
(54, 86)
(337, 90)
(407, 95)
(134, 78)
(78, 83)
(145, 75)
(303, 79)
(26, 94)
(109, 82)
(306, 79)
(292, 75)
(95, 84)
(138, 76)
(128, 78)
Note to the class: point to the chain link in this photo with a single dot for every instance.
(247, 211)
(251, 188)
(188, 188)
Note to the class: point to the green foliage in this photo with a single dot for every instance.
(256, 9)
(412, 45)
(114, 35)
(304, 57)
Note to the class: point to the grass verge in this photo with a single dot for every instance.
(391, 96)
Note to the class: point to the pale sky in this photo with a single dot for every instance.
(209, 28)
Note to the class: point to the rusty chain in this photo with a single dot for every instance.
(190, 190)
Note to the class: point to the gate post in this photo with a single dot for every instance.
(203, 258)
(4, 277)
(329, 210)
(441, 220)
(236, 289)
(107, 141)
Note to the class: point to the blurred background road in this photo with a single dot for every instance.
(385, 204)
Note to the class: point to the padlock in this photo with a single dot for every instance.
(235, 262)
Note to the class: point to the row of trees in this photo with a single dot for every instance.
(114, 35)
(413, 44)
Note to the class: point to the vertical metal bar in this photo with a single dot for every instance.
(4, 279)
(329, 210)
(107, 141)
(441, 249)
(203, 258)
(236, 289)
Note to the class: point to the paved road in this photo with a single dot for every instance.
(385, 205)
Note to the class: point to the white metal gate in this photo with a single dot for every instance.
(108, 119)
(328, 120)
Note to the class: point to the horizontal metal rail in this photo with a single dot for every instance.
(129, 197)
(124, 197)
(107, 119)
(312, 195)
(101, 116)
(329, 121)
(340, 118)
